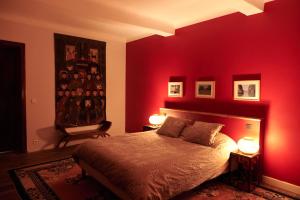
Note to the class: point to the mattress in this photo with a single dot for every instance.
(146, 165)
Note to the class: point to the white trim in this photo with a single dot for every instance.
(164, 111)
(282, 185)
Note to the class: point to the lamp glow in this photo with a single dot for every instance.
(248, 145)
(156, 119)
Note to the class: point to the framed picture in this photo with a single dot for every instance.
(247, 90)
(175, 89)
(205, 89)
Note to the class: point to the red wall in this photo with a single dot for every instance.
(265, 46)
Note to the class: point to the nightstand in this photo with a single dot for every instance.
(244, 170)
(150, 127)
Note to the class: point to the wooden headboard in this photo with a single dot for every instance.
(235, 126)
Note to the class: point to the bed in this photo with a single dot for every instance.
(147, 165)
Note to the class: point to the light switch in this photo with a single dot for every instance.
(33, 100)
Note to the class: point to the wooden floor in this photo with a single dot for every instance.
(13, 160)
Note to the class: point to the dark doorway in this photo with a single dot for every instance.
(12, 97)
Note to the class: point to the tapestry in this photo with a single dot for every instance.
(80, 81)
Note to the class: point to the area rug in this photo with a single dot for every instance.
(62, 180)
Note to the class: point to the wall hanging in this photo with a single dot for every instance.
(247, 90)
(205, 89)
(80, 81)
(175, 89)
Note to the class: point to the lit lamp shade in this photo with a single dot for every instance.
(248, 145)
(156, 119)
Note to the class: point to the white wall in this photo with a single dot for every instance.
(40, 85)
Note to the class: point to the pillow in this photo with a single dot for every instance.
(173, 126)
(202, 133)
(225, 143)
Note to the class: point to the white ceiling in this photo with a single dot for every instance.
(124, 20)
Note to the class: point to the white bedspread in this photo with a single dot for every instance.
(150, 166)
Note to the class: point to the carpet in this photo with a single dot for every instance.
(61, 180)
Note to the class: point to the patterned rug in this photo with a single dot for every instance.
(62, 180)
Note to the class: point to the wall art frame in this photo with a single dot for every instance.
(246, 90)
(205, 89)
(175, 89)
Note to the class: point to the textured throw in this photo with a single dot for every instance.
(62, 180)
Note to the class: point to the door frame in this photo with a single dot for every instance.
(21, 47)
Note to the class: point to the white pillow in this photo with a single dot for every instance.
(201, 132)
(173, 126)
(225, 143)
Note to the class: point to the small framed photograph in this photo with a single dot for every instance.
(205, 89)
(175, 89)
(247, 90)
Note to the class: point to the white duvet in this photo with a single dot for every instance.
(150, 166)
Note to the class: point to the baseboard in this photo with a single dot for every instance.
(285, 186)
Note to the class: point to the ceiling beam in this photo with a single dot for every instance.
(249, 7)
(96, 10)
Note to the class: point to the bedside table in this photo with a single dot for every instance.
(150, 127)
(244, 170)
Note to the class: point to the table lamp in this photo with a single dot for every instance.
(248, 145)
(156, 119)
